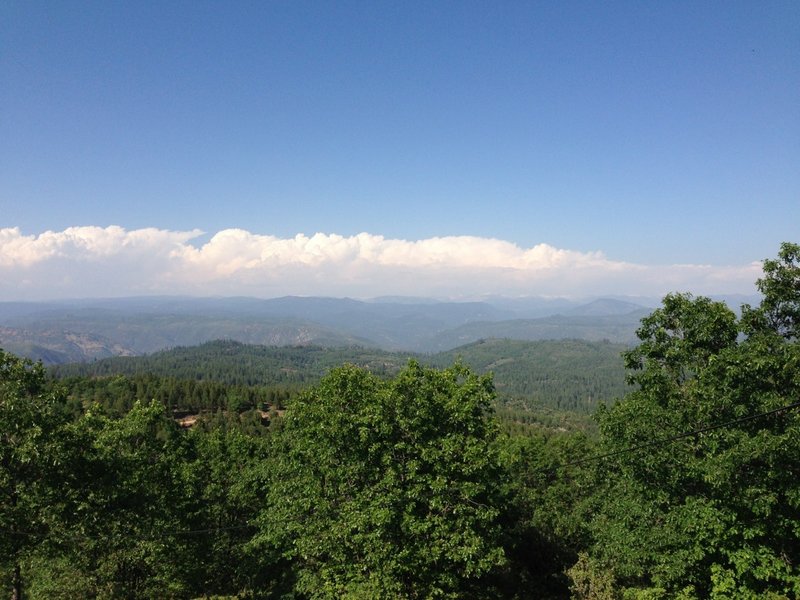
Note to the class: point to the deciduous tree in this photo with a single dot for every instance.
(29, 462)
(715, 513)
(387, 489)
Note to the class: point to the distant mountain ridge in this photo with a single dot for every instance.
(605, 307)
(612, 328)
(74, 330)
(59, 346)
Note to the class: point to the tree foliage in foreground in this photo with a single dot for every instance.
(128, 507)
(716, 514)
(387, 489)
(30, 459)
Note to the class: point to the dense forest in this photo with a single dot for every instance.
(574, 375)
(318, 475)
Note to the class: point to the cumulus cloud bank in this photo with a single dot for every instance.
(112, 261)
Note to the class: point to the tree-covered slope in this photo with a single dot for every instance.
(565, 374)
(233, 362)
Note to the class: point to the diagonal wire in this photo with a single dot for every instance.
(673, 438)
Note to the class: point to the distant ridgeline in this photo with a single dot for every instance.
(75, 331)
(572, 375)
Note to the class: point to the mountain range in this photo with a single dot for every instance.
(83, 330)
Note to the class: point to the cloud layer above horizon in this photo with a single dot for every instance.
(112, 261)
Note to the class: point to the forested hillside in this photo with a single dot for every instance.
(398, 480)
(566, 375)
(572, 375)
(244, 364)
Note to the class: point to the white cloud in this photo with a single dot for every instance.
(111, 261)
(85, 244)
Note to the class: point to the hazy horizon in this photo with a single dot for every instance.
(113, 262)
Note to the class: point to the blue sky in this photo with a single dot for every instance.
(654, 133)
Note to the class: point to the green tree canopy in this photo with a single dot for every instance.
(30, 417)
(387, 489)
(713, 514)
(779, 311)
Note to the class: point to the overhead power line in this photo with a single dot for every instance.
(673, 438)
